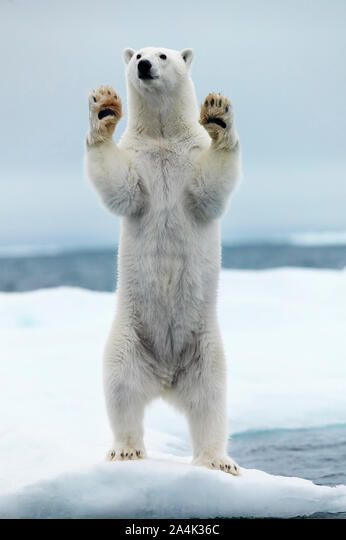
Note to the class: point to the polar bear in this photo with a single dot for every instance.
(169, 178)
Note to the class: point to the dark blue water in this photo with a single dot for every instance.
(318, 454)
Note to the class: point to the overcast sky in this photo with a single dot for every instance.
(281, 62)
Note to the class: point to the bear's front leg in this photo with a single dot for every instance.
(108, 166)
(217, 167)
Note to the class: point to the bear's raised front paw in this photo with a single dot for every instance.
(216, 115)
(222, 463)
(125, 453)
(105, 112)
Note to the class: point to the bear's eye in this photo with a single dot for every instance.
(163, 57)
(138, 56)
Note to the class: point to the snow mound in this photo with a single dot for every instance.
(284, 334)
(155, 488)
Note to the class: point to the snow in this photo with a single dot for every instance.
(152, 489)
(284, 334)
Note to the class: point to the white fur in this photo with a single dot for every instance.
(170, 184)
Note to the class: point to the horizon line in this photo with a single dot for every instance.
(302, 239)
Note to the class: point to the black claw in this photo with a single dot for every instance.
(122, 454)
(212, 102)
(94, 98)
(220, 102)
(126, 454)
(226, 108)
(206, 103)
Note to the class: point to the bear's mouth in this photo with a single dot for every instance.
(215, 120)
(144, 77)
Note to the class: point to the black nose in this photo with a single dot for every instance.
(144, 67)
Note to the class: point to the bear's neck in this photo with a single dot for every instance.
(163, 116)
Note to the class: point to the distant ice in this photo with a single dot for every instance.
(306, 239)
(51, 250)
(285, 339)
(318, 239)
(28, 250)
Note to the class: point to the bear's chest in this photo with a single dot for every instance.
(164, 172)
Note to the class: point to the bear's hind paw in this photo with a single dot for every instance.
(223, 463)
(125, 454)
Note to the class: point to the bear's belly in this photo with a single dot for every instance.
(169, 270)
(168, 312)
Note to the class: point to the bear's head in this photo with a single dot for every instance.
(155, 70)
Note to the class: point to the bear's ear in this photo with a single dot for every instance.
(128, 54)
(187, 55)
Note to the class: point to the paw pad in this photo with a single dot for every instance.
(104, 102)
(215, 112)
(105, 112)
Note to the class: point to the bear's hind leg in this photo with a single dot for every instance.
(201, 394)
(128, 389)
(126, 412)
